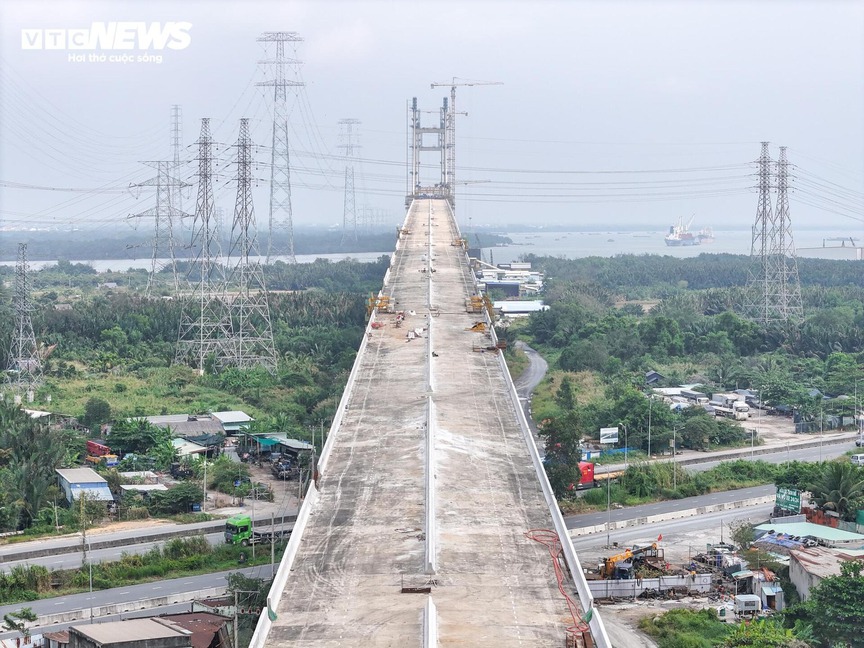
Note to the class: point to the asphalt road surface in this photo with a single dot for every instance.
(76, 559)
(802, 454)
(63, 543)
(672, 529)
(133, 592)
(525, 384)
(533, 373)
(71, 543)
(667, 506)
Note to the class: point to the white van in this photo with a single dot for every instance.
(858, 459)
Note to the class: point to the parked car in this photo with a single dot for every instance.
(859, 441)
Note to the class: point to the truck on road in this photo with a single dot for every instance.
(590, 479)
(239, 530)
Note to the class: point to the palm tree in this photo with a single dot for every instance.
(839, 488)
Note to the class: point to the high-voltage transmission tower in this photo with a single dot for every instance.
(176, 145)
(205, 323)
(773, 290)
(280, 222)
(252, 340)
(24, 372)
(165, 216)
(349, 213)
(450, 131)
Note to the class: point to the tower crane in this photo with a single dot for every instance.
(450, 128)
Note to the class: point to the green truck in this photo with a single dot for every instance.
(239, 530)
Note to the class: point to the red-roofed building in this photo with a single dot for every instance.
(208, 630)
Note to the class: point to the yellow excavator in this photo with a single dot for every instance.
(612, 569)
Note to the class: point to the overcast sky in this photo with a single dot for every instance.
(627, 113)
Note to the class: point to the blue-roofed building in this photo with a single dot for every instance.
(75, 481)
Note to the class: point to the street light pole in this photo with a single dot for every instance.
(650, 402)
(608, 508)
(90, 565)
(856, 418)
(674, 460)
(626, 448)
(252, 519)
(821, 427)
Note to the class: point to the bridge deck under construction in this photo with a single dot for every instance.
(362, 574)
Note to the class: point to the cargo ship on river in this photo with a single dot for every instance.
(680, 235)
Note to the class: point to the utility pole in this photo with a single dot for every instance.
(450, 131)
(252, 520)
(204, 500)
(349, 212)
(24, 370)
(674, 460)
(205, 322)
(608, 508)
(237, 612)
(650, 402)
(164, 216)
(252, 341)
(281, 216)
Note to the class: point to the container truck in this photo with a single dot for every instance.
(239, 530)
(590, 479)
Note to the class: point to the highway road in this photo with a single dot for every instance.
(673, 530)
(667, 506)
(132, 592)
(790, 454)
(72, 543)
(75, 560)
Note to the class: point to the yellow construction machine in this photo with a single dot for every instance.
(614, 567)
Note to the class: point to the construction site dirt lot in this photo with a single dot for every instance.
(777, 430)
(680, 542)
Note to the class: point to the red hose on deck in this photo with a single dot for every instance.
(549, 538)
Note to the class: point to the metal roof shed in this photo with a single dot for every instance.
(233, 421)
(78, 481)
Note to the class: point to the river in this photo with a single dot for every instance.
(571, 245)
(574, 245)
